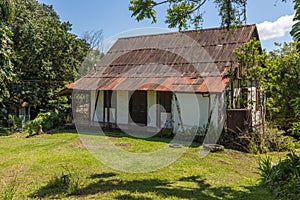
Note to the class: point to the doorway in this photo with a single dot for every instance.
(138, 107)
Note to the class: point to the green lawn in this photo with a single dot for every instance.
(32, 164)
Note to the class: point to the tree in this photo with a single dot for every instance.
(47, 55)
(282, 85)
(276, 74)
(95, 40)
(183, 13)
(296, 27)
(6, 66)
(7, 10)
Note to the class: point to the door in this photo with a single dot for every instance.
(138, 107)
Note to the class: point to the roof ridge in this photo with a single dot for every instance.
(187, 31)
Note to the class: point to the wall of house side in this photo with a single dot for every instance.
(99, 109)
(194, 110)
(152, 108)
(122, 107)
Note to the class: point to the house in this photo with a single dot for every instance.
(174, 80)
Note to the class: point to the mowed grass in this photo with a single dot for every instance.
(32, 164)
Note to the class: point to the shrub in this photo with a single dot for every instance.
(15, 123)
(295, 130)
(276, 140)
(284, 177)
(67, 183)
(45, 120)
(257, 142)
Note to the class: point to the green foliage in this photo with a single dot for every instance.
(295, 32)
(184, 13)
(143, 9)
(251, 57)
(284, 177)
(277, 75)
(68, 183)
(258, 142)
(179, 15)
(295, 130)
(231, 12)
(45, 120)
(47, 55)
(7, 10)
(15, 123)
(281, 85)
(6, 66)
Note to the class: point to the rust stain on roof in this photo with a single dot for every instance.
(191, 61)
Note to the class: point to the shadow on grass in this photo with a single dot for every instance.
(119, 134)
(103, 175)
(55, 188)
(193, 187)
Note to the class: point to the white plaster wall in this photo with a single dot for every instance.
(193, 108)
(152, 108)
(99, 110)
(122, 107)
(165, 120)
(204, 109)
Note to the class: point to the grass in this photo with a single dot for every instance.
(36, 164)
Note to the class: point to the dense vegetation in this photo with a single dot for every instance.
(277, 75)
(284, 177)
(38, 56)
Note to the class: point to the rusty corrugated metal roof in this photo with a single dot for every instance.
(191, 61)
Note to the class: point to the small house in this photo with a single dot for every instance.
(174, 80)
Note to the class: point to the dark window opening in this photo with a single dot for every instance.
(165, 100)
(110, 99)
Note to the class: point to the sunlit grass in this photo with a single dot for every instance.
(35, 162)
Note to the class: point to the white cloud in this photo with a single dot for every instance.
(270, 30)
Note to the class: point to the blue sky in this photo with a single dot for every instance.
(273, 17)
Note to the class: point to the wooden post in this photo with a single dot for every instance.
(96, 104)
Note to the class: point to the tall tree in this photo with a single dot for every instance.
(296, 27)
(47, 55)
(184, 13)
(282, 86)
(7, 10)
(95, 40)
(276, 73)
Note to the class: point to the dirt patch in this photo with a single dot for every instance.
(78, 145)
(123, 145)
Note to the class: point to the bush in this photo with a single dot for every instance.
(66, 184)
(284, 177)
(45, 120)
(257, 142)
(15, 123)
(275, 140)
(295, 130)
